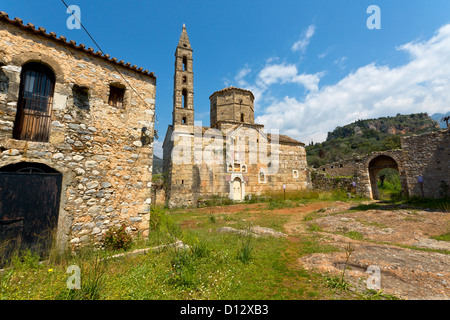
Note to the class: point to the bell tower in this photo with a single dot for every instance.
(183, 88)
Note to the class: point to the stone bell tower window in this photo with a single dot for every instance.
(185, 63)
(184, 94)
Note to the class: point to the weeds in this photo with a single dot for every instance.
(244, 253)
(339, 282)
(92, 281)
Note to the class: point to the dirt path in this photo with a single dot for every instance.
(395, 240)
(387, 239)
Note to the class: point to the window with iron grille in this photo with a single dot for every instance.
(34, 107)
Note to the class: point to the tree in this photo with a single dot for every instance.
(446, 119)
(392, 142)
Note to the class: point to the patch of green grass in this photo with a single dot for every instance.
(371, 294)
(355, 235)
(439, 204)
(313, 227)
(442, 237)
(372, 223)
(312, 244)
(365, 207)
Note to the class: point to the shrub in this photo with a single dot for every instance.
(156, 218)
(245, 251)
(116, 238)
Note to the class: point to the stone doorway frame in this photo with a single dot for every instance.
(379, 162)
(241, 178)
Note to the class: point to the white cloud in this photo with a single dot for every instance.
(157, 148)
(301, 44)
(421, 85)
(277, 73)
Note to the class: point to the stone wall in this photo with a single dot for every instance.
(428, 156)
(423, 158)
(97, 147)
(231, 104)
(209, 171)
(363, 171)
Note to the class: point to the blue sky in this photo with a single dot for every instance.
(312, 65)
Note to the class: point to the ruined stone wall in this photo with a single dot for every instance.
(427, 156)
(343, 168)
(361, 170)
(106, 170)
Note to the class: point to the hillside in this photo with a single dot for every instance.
(157, 164)
(439, 116)
(365, 136)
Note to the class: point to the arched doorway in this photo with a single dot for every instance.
(237, 189)
(29, 208)
(375, 166)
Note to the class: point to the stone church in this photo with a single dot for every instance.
(233, 157)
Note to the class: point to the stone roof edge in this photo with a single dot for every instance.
(232, 88)
(52, 35)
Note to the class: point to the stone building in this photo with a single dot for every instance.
(76, 139)
(233, 157)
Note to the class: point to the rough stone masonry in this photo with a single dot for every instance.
(98, 112)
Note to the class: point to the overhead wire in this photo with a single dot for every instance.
(123, 77)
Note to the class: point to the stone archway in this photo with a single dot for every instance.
(377, 164)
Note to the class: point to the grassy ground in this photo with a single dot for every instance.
(216, 265)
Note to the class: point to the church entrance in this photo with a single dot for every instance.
(237, 189)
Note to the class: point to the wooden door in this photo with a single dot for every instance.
(237, 189)
(29, 210)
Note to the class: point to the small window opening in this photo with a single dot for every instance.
(295, 174)
(80, 97)
(184, 79)
(183, 120)
(262, 177)
(184, 102)
(182, 181)
(242, 117)
(244, 168)
(116, 95)
(184, 63)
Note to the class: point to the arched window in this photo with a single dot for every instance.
(184, 102)
(262, 177)
(34, 106)
(184, 63)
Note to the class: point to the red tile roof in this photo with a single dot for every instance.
(41, 31)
